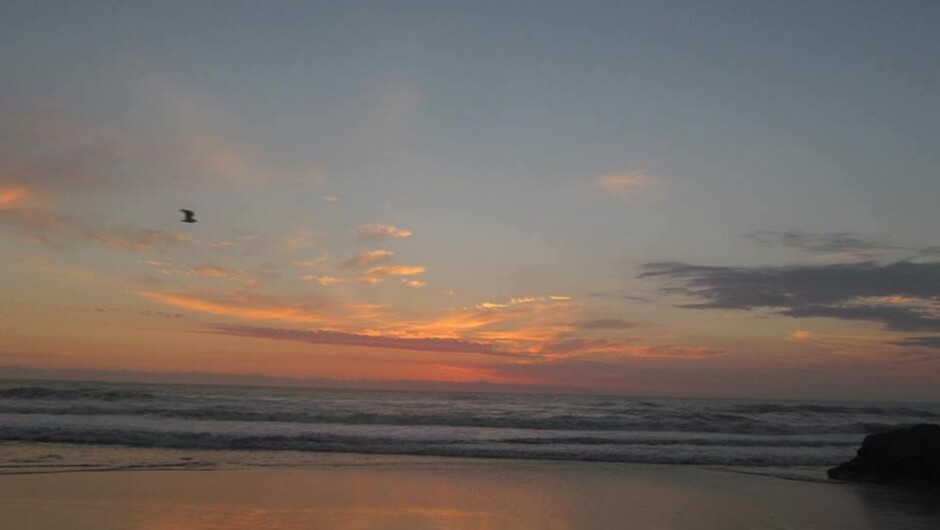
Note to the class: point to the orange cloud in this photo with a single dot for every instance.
(800, 335)
(467, 374)
(326, 280)
(374, 275)
(374, 231)
(213, 272)
(414, 284)
(625, 348)
(12, 196)
(383, 271)
(520, 326)
(249, 306)
(320, 336)
(542, 329)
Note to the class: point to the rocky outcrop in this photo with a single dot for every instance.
(909, 456)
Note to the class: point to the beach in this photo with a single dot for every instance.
(348, 491)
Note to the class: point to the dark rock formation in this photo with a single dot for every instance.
(909, 456)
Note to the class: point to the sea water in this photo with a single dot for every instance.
(498, 425)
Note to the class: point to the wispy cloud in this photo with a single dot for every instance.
(326, 280)
(57, 230)
(330, 200)
(384, 271)
(214, 155)
(606, 323)
(214, 271)
(11, 196)
(920, 342)
(626, 184)
(58, 155)
(374, 275)
(449, 345)
(368, 257)
(377, 231)
(843, 245)
(301, 239)
(520, 326)
(414, 284)
(52, 154)
(534, 330)
(205, 146)
(312, 263)
(800, 335)
(531, 299)
(578, 346)
(252, 306)
(362, 340)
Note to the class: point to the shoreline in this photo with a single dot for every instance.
(47, 457)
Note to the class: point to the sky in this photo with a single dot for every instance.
(648, 198)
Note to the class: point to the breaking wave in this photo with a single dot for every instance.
(674, 431)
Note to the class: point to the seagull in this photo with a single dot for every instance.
(188, 216)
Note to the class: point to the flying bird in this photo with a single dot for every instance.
(188, 216)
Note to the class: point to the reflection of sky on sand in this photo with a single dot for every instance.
(417, 493)
(899, 507)
(363, 519)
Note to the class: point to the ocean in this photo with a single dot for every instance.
(722, 432)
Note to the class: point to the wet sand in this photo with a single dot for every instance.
(414, 493)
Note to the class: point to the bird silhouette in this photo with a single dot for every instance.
(188, 216)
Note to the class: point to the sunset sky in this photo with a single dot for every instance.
(678, 197)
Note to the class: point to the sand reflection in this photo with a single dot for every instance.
(425, 493)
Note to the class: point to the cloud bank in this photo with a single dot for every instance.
(903, 296)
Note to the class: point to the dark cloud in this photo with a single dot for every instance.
(606, 323)
(848, 291)
(619, 294)
(623, 349)
(837, 243)
(920, 342)
(146, 313)
(352, 339)
(575, 345)
(833, 242)
(895, 318)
